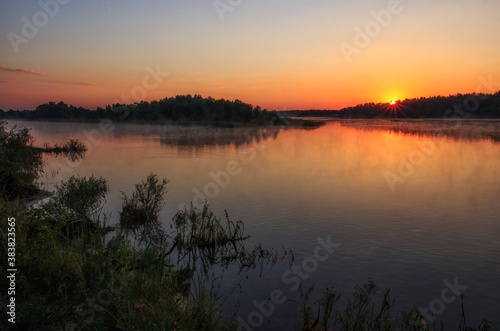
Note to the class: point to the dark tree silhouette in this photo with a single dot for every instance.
(182, 108)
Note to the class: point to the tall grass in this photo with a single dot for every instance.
(363, 313)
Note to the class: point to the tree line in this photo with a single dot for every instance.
(181, 108)
(471, 105)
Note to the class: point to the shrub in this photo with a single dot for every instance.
(140, 212)
(82, 199)
(21, 163)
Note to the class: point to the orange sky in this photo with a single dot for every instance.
(280, 55)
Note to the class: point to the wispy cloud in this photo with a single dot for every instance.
(23, 71)
(74, 83)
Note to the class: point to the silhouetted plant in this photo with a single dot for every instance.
(140, 212)
(358, 314)
(413, 320)
(83, 200)
(73, 149)
(21, 163)
(202, 237)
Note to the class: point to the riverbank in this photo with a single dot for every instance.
(37, 198)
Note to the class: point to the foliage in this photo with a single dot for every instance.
(181, 108)
(204, 240)
(361, 313)
(325, 309)
(140, 212)
(21, 163)
(90, 283)
(82, 200)
(74, 149)
(83, 196)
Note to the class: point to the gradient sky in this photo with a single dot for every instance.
(276, 54)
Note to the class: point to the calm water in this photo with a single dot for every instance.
(411, 203)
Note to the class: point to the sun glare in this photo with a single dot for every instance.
(394, 107)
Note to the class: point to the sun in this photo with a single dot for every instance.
(393, 108)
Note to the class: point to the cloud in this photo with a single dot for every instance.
(23, 71)
(40, 74)
(74, 83)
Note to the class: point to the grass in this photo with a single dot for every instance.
(74, 149)
(93, 283)
(362, 313)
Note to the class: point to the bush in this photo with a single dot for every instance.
(82, 199)
(21, 163)
(140, 212)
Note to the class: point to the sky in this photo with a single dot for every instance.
(284, 55)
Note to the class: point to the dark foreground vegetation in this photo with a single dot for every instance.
(462, 106)
(76, 272)
(182, 109)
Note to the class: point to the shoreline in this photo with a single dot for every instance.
(39, 196)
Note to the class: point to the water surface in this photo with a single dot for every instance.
(412, 203)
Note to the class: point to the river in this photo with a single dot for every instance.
(413, 205)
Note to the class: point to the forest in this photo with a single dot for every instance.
(188, 109)
(181, 108)
(462, 106)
